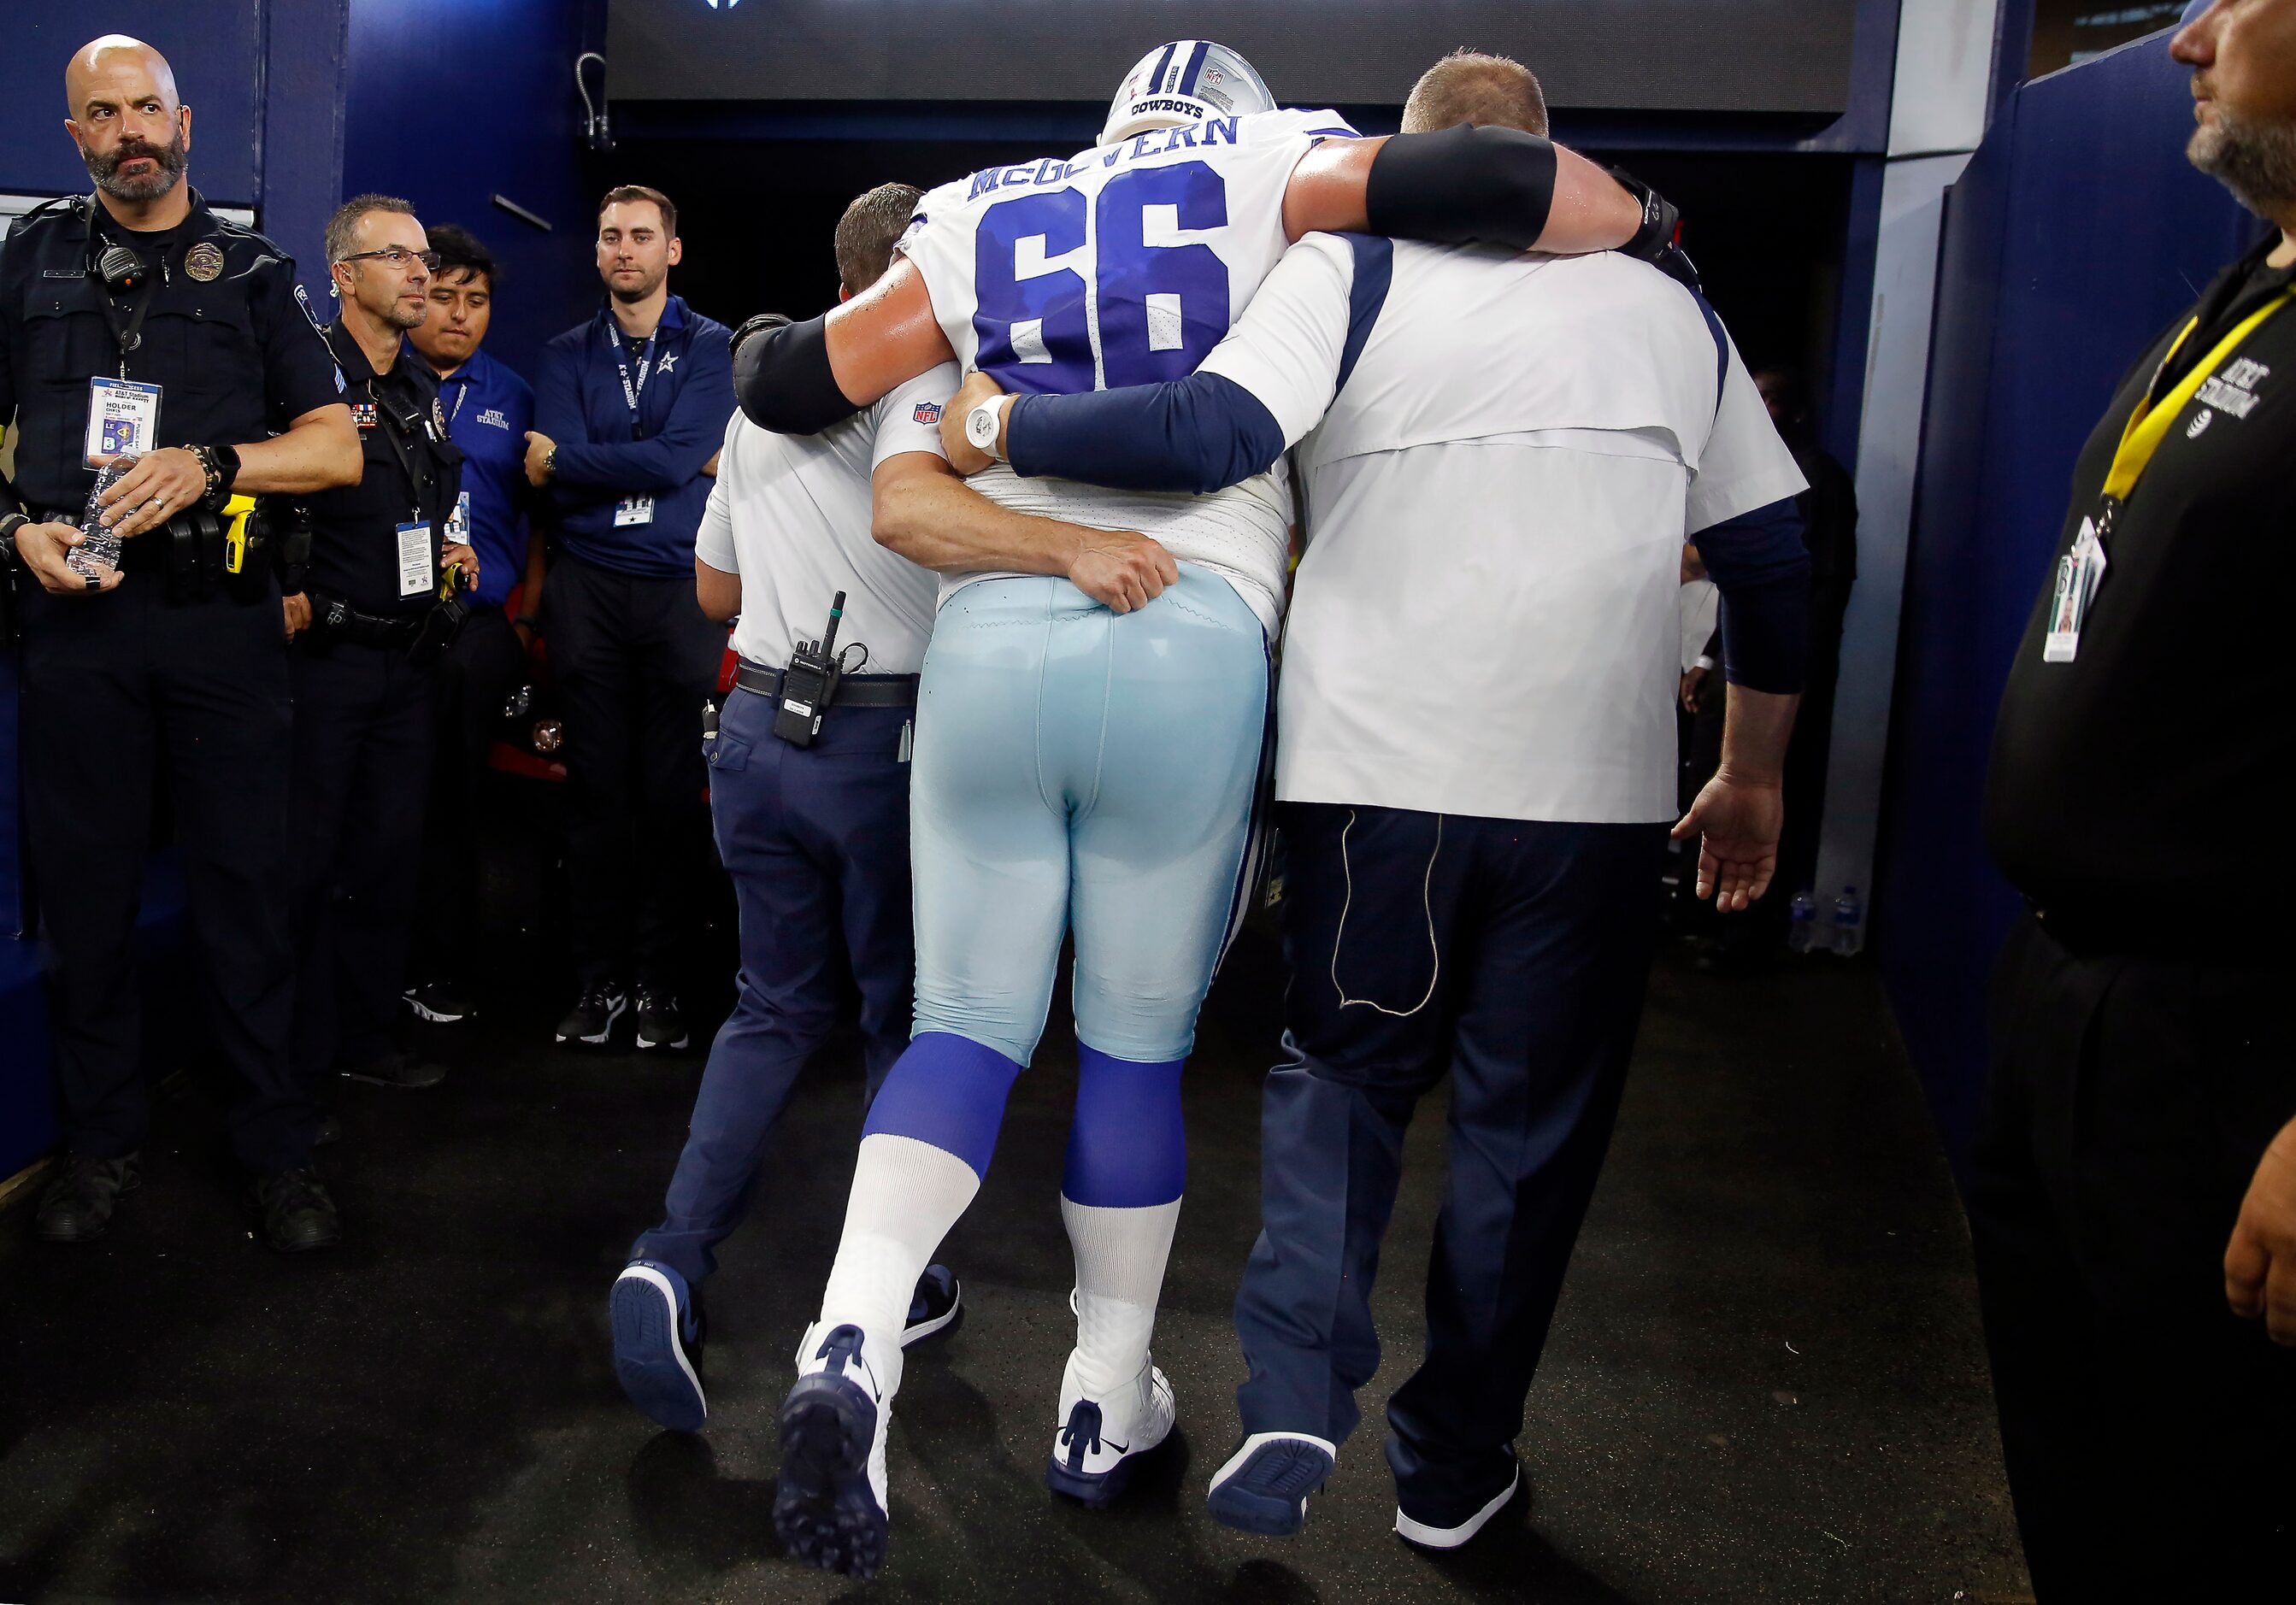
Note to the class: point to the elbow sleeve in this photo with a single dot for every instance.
(783, 379)
(1758, 563)
(1488, 184)
(1199, 434)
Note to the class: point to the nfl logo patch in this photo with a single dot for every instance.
(363, 414)
(928, 411)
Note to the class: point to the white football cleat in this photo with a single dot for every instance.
(830, 1504)
(1101, 1439)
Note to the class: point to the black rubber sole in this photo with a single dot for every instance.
(1097, 1492)
(824, 1511)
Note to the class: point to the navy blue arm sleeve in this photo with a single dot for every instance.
(1201, 433)
(1758, 562)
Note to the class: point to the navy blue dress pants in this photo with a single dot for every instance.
(816, 839)
(1513, 954)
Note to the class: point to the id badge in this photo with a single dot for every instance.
(633, 510)
(416, 575)
(2078, 573)
(458, 522)
(123, 419)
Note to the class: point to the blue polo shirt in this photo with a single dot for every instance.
(489, 410)
(608, 452)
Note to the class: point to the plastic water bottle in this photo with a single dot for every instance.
(1848, 922)
(1801, 921)
(98, 553)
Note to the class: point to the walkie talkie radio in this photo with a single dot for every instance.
(809, 683)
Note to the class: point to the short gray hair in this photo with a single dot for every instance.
(342, 228)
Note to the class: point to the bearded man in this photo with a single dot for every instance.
(2133, 1196)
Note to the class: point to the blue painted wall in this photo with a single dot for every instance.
(2078, 231)
(450, 102)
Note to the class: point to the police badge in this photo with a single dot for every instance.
(203, 262)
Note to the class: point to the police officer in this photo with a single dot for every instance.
(2132, 1194)
(134, 320)
(378, 610)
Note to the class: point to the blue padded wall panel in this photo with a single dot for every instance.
(2078, 231)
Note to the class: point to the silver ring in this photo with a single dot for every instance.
(159, 501)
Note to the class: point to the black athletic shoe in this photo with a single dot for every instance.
(78, 1205)
(936, 1307)
(437, 1003)
(592, 1019)
(396, 1069)
(298, 1215)
(661, 1022)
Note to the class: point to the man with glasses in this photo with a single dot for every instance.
(629, 411)
(374, 615)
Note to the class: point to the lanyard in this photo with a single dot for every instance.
(461, 390)
(2148, 425)
(631, 392)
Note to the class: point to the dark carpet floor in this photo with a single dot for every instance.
(1765, 1381)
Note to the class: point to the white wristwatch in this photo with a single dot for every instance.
(984, 423)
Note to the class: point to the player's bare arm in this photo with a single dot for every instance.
(925, 511)
(1497, 185)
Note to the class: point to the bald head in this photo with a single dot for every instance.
(118, 62)
(132, 130)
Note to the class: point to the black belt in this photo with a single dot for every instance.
(853, 690)
(334, 617)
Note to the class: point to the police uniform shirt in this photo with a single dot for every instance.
(2127, 786)
(790, 515)
(234, 353)
(355, 548)
(488, 411)
(1486, 620)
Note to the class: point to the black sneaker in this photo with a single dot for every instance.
(592, 1019)
(437, 1003)
(935, 1308)
(78, 1205)
(396, 1070)
(661, 1022)
(298, 1215)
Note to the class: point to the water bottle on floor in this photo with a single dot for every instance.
(1848, 922)
(1801, 921)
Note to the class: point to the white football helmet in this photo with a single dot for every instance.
(1185, 81)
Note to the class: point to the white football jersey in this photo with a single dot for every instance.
(1124, 265)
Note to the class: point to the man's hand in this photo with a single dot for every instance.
(161, 485)
(1693, 679)
(2260, 1264)
(1737, 823)
(1122, 570)
(537, 458)
(964, 456)
(711, 467)
(297, 609)
(43, 547)
(454, 552)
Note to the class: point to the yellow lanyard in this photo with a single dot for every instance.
(2148, 425)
